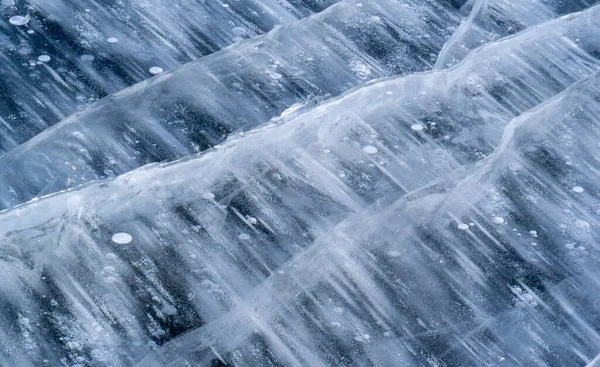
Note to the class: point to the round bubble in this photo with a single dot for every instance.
(417, 127)
(155, 70)
(122, 238)
(369, 149)
(498, 220)
(18, 20)
(463, 226)
(44, 58)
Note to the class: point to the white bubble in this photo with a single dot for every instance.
(369, 149)
(110, 256)
(336, 325)
(533, 233)
(244, 237)
(252, 220)
(582, 224)
(87, 57)
(155, 70)
(18, 20)
(122, 238)
(569, 246)
(109, 269)
(463, 226)
(498, 220)
(208, 195)
(44, 58)
(112, 40)
(578, 189)
(417, 127)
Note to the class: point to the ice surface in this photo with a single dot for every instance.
(125, 37)
(187, 110)
(493, 19)
(405, 218)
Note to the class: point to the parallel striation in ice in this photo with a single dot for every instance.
(98, 48)
(336, 235)
(493, 19)
(190, 109)
(400, 284)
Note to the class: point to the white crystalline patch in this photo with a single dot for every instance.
(112, 40)
(208, 195)
(463, 226)
(244, 237)
(582, 224)
(369, 149)
(498, 220)
(155, 70)
(18, 20)
(44, 58)
(393, 253)
(111, 279)
(169, 310)
(364, 338)
(578, 189)
(336, 325)
(417, 127)
(275, 76)
(122, 238)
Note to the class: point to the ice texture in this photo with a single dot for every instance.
(396, 200)
(99, 48)
(188, 110)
